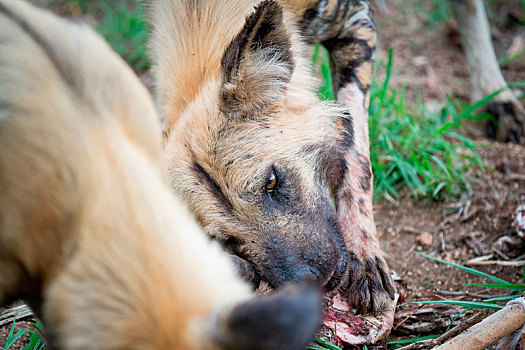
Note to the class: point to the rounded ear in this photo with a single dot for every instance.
(286, 320)
(257, 65)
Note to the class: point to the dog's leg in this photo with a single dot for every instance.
(485, 75)
(345, 28)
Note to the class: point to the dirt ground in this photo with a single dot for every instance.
(4, 332)
(429, 60)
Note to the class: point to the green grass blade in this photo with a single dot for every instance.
(12, 330)
(414, 340)
(455, 318)
(469, 110)
(465, 304)
(325, 345)
(467, 269)
(505, 298)
(389, 65)
(12, 339)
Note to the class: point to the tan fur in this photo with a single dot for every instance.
(90, 233)
(236, 105)
(187, 54)
(195, 47)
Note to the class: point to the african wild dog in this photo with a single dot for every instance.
(255, 153)
(90, 233)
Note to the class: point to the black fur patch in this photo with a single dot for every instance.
(213, 187)
(246, 270)
(308, 17)
(348, 136)
(263, 28)
(287, 319)
(514, 130)
(367, 279)
(341, 272)
(366, 177)
(385, 278)
(361, 205)
(345, 72)
(317, 24)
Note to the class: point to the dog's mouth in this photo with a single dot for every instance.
(247, 271)
(338, 275)
(341, 269)
(251, 273)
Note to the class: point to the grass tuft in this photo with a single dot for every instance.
(470, 305)
(413, 146)
(126, 31)
(121, 22)
(467, 269)
(516, 289)
(36, 342)
(320, 344)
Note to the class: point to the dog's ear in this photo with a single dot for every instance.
(257, 65)
(287, 320)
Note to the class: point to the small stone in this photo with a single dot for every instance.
(425, 239)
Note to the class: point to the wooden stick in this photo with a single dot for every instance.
(20, 312)
(430, 343)
(496, 326)
(467, 293)
(515, 177)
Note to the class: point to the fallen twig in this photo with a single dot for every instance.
(501, 254)
(461, 217)
(19, 312)
(425, 320)
(515, 177)
(482, 258)
(496, 262)
(498, 325)
(467, 293)
(410, 251)
(409, 229)
(430, 343)
(406, 318)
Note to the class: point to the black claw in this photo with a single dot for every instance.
(369, 285)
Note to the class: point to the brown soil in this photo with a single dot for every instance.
(429, 60)
(460, 231)
(19, 345)
(21, 323)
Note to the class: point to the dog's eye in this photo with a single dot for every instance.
(271, 182)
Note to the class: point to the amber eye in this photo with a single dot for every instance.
(272, 182)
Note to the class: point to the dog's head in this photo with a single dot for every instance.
(253, 155)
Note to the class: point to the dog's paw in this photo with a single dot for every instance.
(370, 287)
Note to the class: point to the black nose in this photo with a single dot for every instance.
(304, 272)
(295, 273)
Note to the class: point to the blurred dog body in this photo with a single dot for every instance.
(90, 234)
